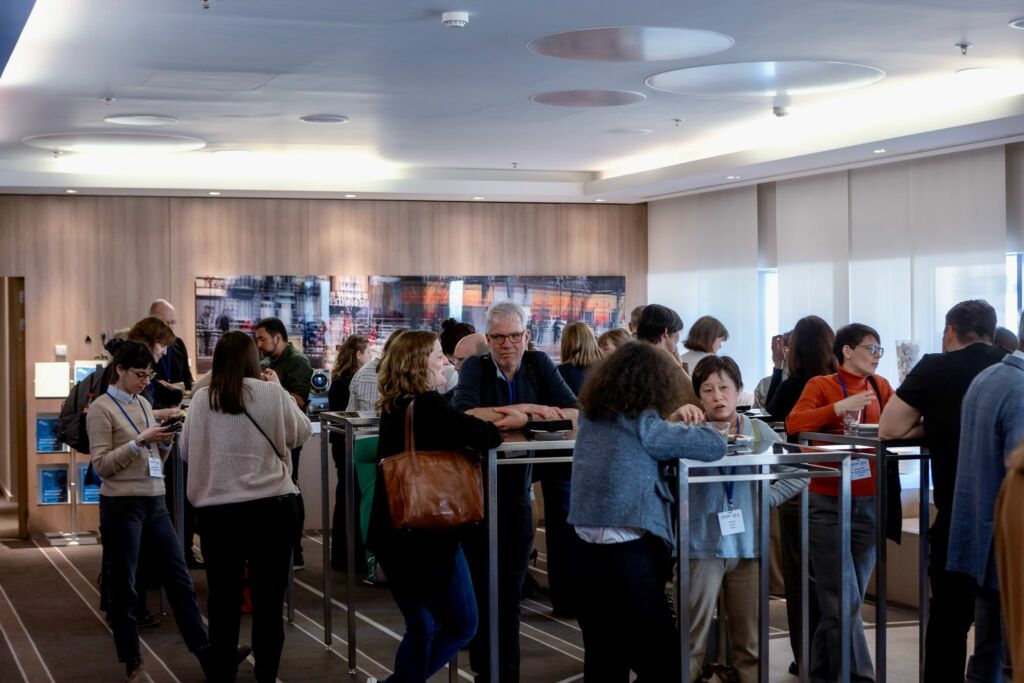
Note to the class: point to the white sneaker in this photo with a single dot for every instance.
(371, 679)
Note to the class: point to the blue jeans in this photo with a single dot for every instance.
(438, 623)
(991, 659)
(824, 541)
(124, 521)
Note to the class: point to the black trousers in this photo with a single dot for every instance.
(626, 619)
(789, 537)
(257, 535)
(297, 546)
(555, 481)
(515, 540)
(950, 611)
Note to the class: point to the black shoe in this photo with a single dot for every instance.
(298, 564)
(148, 620)
(135, 671)
(243, 652)
(794, 669)
(207, 662)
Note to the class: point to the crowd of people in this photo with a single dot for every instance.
(636, 404)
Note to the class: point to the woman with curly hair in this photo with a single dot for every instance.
(633, 420)
(426, 570)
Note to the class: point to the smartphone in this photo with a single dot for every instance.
(173, 424)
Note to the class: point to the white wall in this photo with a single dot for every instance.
(706, 264)
(893, 246)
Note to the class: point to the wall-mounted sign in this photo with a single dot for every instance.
(84, 368)
(48, 434)
(53, 484)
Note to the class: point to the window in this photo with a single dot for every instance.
(768, 323)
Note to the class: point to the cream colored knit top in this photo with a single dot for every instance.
(229, 461)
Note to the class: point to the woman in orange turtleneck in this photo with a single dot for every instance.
(853, 387)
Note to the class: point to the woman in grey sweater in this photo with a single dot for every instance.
(631, 423)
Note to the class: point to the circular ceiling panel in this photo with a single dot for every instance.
(141, 120)
(116, 142)
(765, 79)
(631, 44)
(588, 98)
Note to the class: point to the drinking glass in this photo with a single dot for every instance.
(851, 421)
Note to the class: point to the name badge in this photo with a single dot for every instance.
(860, 468)
(155, 467)
(731, 522)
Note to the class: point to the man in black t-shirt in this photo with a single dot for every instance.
(927, 404)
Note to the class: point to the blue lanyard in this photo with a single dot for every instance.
(511, 387)
(730, 486)
(165, 363)
(125, 413)
(842, 384)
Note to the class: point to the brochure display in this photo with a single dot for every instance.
(48, 434)
(53, 484)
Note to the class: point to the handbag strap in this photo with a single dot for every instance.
(276, 452)
(410, 438)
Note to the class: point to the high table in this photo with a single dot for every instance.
(514, 442)
(883, 453)
(810, 461)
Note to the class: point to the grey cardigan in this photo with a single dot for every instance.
(615, 472)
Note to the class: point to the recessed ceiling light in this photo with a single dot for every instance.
(600, 200)
(880, 150)
(351, 196)
(588, 98)
(479, 199)
(214, 193)
(324, 118)
(1017, 24)
(71, 191)
(116, 142)
(631, 44)
(141, 120)
(732, 177)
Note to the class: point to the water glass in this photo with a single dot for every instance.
(851, 421)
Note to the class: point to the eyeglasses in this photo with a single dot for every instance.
(143, 375)
(515, 337)
(873, 349)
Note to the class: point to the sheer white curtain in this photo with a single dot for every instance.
(812, 227)
(924, 235)
(702, 260)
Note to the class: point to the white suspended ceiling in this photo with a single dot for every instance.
(458, 113)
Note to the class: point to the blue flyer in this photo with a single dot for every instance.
(48, 434)
(53, 484)
(89, 485)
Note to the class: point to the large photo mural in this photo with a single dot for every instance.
(321, 312)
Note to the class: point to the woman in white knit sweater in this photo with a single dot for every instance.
(237, 439)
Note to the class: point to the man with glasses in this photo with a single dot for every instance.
(510, 387)
(927, 404)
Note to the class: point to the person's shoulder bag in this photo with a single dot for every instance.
(432, 489)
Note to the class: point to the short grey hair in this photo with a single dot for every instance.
(505, 309)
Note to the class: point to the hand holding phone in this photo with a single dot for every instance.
(172, 424)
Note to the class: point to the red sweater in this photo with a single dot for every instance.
(813, 412)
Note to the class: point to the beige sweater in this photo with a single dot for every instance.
(229, 461)
(124, 472)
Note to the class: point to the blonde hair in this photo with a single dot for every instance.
(404, 372)
(579, 345)
(616, 337)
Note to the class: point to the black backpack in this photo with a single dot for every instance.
(75, 408)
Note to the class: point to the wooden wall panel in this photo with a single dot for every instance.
(95, 263)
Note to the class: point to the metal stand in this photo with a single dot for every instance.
(761, 465)
(325, 531)
(883, 454)
(61, 539)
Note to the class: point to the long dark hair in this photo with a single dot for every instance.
(634, 378)
(810, 348)
(234, 359)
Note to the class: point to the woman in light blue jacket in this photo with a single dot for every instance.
(631, 423)
(723, 523)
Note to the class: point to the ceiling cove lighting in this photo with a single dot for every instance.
(732, 177)
(1017, 24)
(765, 79)
(351, 196)
(69, 191)
(880, 150)
(600, 200)
(213, 193)
(479, 199)
(115, 143)
(324, 118)
(141, 120)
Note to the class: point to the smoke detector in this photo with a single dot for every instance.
(455, 19)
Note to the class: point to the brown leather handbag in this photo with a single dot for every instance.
(432, 489)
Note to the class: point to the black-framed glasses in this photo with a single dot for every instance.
(873, 349)
(144, 375)
(515, 337)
